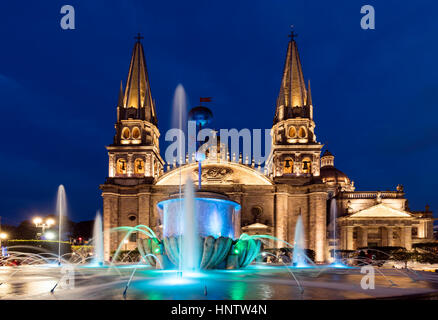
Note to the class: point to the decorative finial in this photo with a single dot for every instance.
(138, 37)
(292, 34)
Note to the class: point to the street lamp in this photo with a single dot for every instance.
(37, 220)
(3, 236)
(39, 223)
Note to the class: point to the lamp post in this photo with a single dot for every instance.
(39, 223)
(3, 236)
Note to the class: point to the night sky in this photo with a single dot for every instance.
(375, 92)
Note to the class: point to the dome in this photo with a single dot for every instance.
(331, 175)
(334, 177)
(202, 115)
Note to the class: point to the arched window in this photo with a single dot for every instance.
(288, 165)
(136, 133)
(139, 166)
(307, 165)
(302, 132)
(292, 132)
(121, 166)
(126, 134)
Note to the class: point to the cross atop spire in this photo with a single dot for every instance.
(292, 34)
(293, 91)
(138, 37)
(137, 91)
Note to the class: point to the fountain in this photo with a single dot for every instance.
(333, 222)
(204, 234)
(200, 230)
(299, 258)
(188, 223)
(98, 241)
(61, 209)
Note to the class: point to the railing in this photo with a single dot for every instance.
(372, 195)
(215, 159)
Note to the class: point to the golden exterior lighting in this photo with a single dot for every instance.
(50, 222)
(121, 166)
(37, 220)
(307, 165)
(289, 183)
(3, 236)
(288, 166)
(139, 166)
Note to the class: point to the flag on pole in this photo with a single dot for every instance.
(207, 99)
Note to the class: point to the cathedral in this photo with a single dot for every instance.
(297, 178)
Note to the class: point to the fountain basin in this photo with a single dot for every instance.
(216, 215)
(222, 253)
(200, 229)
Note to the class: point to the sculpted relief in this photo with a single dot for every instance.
(214, 175)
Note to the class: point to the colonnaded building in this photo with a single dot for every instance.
(296, 179)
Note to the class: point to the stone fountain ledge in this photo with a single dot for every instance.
(414, 265)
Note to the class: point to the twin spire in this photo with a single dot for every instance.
(137, 93)
(293, 92)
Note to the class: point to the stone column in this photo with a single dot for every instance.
(280, 217)
(350, 245)
(310, 223)
(383, 231)
(390, 236)
(111, 165)
(429, 229)
(407, 237)
(343, 242)
(320, 226)
(110, 220)
(143, 211)
(363, 237)
(421, 233)
(148, 165)
(130, 168)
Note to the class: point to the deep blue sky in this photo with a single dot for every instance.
(375, 92)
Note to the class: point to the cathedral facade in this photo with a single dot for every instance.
(295, 180)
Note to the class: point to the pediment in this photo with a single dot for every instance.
(381, 211)
(256, 225)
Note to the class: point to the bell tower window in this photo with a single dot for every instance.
(136, 133)
(288, 166)
(121, 166)
(307, 165)
(302, 133)
(126, 134)
(139, 166)
(292, 132)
